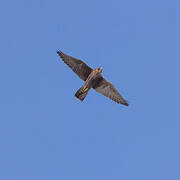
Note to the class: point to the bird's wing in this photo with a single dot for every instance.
(78, 66)
(107, 89)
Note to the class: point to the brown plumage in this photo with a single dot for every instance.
(93, 79)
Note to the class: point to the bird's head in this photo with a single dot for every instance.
(99, 70)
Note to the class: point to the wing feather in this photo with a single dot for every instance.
(107, 89)
(78, 66)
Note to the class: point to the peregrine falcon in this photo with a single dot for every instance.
(93, 79)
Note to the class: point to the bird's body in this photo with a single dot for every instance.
(93, 79)
(90, 82)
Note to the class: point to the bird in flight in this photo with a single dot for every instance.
(93, 79)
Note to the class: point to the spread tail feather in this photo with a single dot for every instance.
(81, 93)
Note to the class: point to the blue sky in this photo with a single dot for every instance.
(46, 133)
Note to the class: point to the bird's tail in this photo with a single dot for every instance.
(81, 93)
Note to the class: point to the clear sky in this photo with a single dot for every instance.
(46, 133)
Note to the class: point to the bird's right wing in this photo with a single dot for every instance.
(107, 89)
(78, 66)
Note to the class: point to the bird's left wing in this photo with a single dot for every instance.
(78, 66)
(107, 89)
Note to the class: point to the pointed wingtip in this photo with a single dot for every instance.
(58, 52)
(126, 104)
